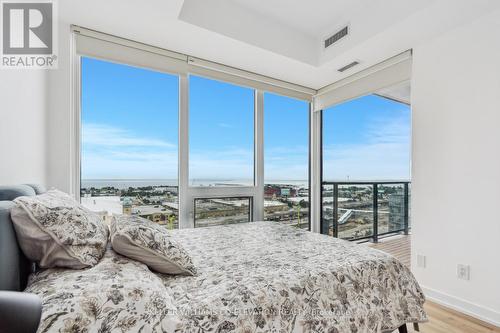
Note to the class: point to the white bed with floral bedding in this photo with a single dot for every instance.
(254, 277)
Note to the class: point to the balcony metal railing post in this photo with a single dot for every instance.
(375, 213)
(406, 208)
(335, 210)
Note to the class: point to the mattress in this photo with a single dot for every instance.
(253, 277)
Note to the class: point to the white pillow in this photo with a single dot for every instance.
(54, 230)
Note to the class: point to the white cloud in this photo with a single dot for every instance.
(112, 164)
(230, 163)
(385, 154)
(112, 152)
(285, 163)
(281, 163)
(105, 135)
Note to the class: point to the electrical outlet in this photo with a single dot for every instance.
(463, 272)
(421, 261)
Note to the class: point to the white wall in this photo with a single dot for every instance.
(59, 115)
(22, 126)
(456, 166)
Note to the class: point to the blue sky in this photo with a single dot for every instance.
(130, 130)
(129, 122)
(220, 130)
(286, 122)
(367, 138)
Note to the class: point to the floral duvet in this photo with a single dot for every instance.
(255, 277)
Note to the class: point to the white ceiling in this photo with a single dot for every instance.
(287, 28)
(278, 38)
(313, 22)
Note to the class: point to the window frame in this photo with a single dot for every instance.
(190, 193)
(388, 72)
(148, 57)
(76, 178)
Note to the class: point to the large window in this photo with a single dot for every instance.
(184, 142)
(286, 160)
(129, 147)
(366, 166)
(221, 133)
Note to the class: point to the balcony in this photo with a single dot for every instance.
(399, 247)
(365, 210)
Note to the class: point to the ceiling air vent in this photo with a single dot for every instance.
(337, 36)
(346, 67)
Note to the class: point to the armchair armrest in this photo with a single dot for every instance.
(19, 312)
(9, 193)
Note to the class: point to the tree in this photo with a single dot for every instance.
(171, 219)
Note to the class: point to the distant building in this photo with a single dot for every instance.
(272, 206)
(271, 191)
(157, 214)
(127, 206)
(276, 191)
(303, 192)
(104, 206)
(173, 206)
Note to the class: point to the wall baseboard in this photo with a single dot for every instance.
(477, 311)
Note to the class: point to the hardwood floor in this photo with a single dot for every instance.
(441, 319)
(444, 320)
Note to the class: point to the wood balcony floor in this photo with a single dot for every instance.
(399, 246)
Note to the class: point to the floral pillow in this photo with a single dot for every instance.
(54, 230)
(151, 244)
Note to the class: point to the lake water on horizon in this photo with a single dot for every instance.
(126, 183)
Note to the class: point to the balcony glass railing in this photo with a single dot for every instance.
(365, 210)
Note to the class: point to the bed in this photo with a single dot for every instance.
(253, 277)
